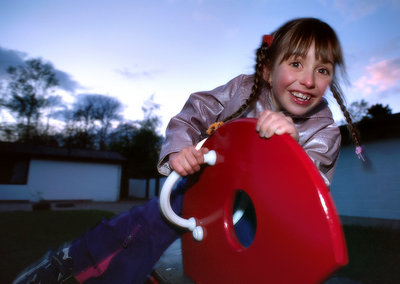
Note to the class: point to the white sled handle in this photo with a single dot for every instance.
(165, 196)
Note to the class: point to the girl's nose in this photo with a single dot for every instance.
(308, 79)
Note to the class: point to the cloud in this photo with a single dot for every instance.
(9, 57)
(381, 78)
(66, 82)
(128, 74)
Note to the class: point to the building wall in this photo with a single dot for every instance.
(137, 187)
(66, 180)
(369, 189)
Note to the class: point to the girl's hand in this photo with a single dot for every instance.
(187, 161)
(271, 122)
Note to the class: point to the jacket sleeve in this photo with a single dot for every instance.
(199, 112)
(323, 149)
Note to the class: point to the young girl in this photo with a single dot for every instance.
(295, 66)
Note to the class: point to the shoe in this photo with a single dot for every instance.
(54, 267)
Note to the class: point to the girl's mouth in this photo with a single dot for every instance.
(300, 98)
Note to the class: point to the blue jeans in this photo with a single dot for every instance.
(125, 248)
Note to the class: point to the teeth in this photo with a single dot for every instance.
(301, 96)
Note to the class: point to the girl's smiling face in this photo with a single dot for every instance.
(299, 83)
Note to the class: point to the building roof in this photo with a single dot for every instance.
(57, 153)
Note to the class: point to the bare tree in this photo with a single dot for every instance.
(358, 110)
(27, 93)
(106, 111)
(93, 115)
(151, 120)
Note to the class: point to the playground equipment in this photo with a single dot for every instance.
(261, 214)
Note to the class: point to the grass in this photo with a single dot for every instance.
(26, 236)
(374, 253)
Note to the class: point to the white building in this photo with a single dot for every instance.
(30, 173)
(369, 191)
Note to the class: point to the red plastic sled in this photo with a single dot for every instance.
(298, 238)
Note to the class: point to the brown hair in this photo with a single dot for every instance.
(295, 38)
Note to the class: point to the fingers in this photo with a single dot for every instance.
(270, 123)
(204, 151)
(188, 160)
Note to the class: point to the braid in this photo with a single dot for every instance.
(337, 94)
(258, 80)
(255, 89)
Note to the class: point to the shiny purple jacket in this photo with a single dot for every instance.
(319, 134)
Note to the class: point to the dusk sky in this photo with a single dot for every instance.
(132, 50)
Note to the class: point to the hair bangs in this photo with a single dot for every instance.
(299, 38)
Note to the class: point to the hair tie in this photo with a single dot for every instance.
(211, 129)
(268, 39)
(359, 151)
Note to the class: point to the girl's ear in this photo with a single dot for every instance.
(267, 75)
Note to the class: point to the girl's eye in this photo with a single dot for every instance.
(295, 64)
(323, 71)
